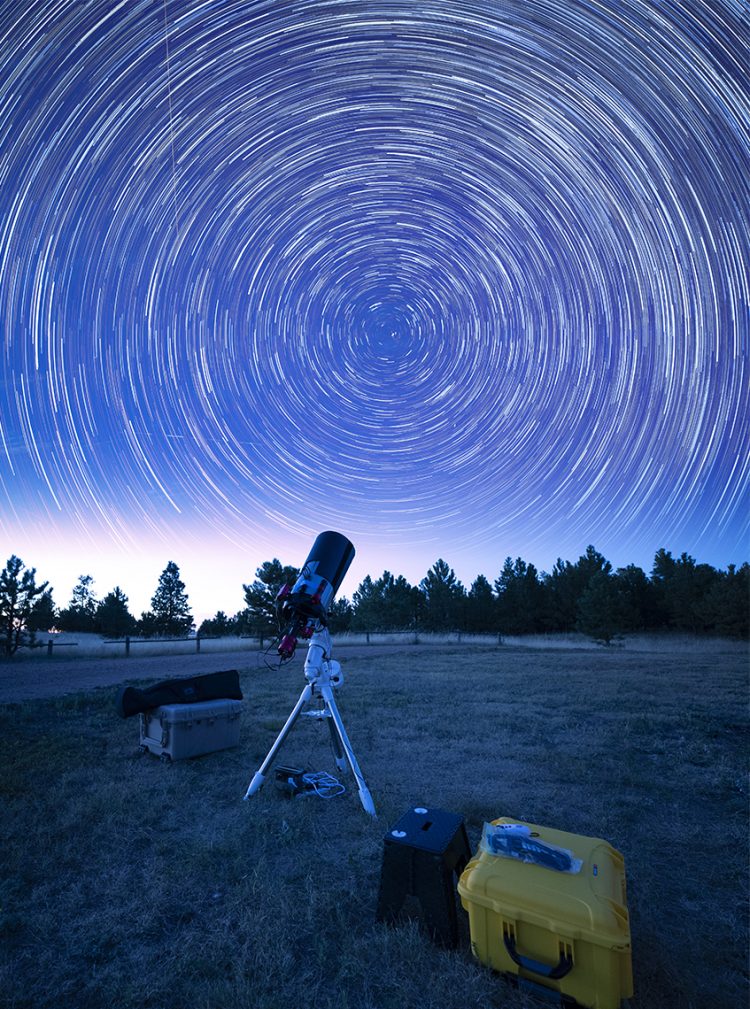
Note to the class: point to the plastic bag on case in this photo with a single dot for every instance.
(515, 840)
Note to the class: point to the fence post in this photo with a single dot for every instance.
(367, 636)
(49, 647)
(197, 642)
(127, 646)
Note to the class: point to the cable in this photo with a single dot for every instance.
(264, 657)
(324, 784)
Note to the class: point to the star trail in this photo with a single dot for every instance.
(458, 279)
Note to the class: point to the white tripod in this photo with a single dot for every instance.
(323, 675)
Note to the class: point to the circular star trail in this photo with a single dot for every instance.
(465, 271)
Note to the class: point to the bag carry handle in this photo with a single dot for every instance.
(555, 972)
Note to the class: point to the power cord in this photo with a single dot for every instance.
(293, 781)
(323, 784)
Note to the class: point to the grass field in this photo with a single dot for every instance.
(129, 883)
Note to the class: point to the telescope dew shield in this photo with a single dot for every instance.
(322, 573)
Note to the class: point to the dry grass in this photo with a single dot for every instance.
(75, 646)
(128, 883)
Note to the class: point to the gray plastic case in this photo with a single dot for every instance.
(178, 731)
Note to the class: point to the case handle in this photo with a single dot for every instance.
(553, 971)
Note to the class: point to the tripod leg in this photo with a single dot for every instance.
(260, 774)
(338, 751)
(364, 793)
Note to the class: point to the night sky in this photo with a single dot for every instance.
(456, 278)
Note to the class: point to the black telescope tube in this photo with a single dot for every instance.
(322, 574)
(333, 553)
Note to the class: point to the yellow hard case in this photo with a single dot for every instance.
(568, 932)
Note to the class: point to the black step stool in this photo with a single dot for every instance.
(421, 854)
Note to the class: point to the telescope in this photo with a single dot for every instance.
(302, 610)
(304, 605)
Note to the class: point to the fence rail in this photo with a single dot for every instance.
(51, 643)
(128, 641)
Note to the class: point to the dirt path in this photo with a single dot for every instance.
(33, 678)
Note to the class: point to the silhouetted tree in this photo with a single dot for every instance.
(567, 583)
(148, 625)
(640, 604)
(444, 595)
(241, 623)
(681, 587)
(402, 602)
(601, 610)
(18, 592)
(218, 626)
(43, 615)
(562, 596)
(369, 606)
(388, 604)
(664, 566)
(521, 598)
(113, 619)
(80, 613)
(169, 604)
(481, 607)
(725, 609)
(340, 615)
(260, 597)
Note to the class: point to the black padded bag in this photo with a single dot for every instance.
(187, 690)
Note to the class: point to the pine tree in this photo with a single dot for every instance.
(340, 615)
(169, 604)
(568, 582)
(521, 600)
(260, 597)
(147, 625)
(388, 604)
(80, 613)
(601, 613)
(18, 591)
(682, 586)
(481, 607)
(639, 598)
(444, 596)
(113, 618)
(725, 608)
(43, 615)
(368, 606)
(219, 626)
(402, 602)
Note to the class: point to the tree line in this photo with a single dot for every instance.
(587, 596)
(27, 609)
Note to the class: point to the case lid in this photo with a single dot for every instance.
(425, 828)
(590, 904)
(174, 713)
